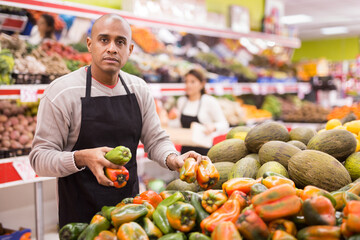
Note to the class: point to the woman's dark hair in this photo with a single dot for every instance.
(197, 74)
(51, 24)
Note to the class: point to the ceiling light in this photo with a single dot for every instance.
(295, 19)
(334, 30)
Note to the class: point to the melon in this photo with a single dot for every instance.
(245, 167)
(180, 185)
(265, 132)
(274, 167)
(223, 168)
(311, 167)
(229, 150)
(254, 156)
(238, 132)
(302, 134)
(352, 164)
(277, 151)
(338, 143)
(297, 144)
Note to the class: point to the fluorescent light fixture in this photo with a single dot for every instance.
(296, 19)
(334, 30)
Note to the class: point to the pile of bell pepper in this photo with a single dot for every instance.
(268, 208)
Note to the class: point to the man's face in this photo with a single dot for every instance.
(110, 44)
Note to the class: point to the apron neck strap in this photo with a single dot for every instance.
(88, 83)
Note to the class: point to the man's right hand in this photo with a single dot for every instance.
(95, 160)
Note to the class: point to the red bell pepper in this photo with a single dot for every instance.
(251, 226)
(240, 184)
(150, 196)
(225, 230)
(319, 210)
(118, 176)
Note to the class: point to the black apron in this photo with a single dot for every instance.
(186, 121)
(105, 121)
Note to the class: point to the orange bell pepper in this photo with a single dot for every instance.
(229, 211)
(312, 191)
(251, 226)
(207, 175)
(188, 170)
(212, 200)
(282, 224)
(240, 184)
(319, 233)
(279, 201)
(282, 235)
(225, 230)
(272, 181)
(351, 214)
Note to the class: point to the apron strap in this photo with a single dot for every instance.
(88, 83)
(123, 83)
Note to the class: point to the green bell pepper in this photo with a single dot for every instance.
(198, 236)
(173, 236)
(106, 211)
(181, 216)
(119, 155)
(128, 213)
(71, 231)
(97, 224)
(201, 214)
(151, 230)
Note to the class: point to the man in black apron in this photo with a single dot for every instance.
(106, 122)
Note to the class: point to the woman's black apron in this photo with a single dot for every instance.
(105, 121)
(186, 121)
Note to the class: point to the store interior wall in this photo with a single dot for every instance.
(341, 49)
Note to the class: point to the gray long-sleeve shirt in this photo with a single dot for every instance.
(59, 120)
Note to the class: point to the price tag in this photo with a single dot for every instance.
(255, 88)
(28, 94)
(237, 90)
(219, 89)
(263, 89)
(280, 89)
(156, 90)
(24, 169)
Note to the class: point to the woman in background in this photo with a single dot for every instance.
(197, 106)
(44, 29)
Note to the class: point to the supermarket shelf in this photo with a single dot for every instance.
(11, 176)
(93, 12)
(178, 89)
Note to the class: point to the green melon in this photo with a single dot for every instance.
(274, 167)
(223, 169)
(254, 156)
(338, 143)
(229, 150)
(352, 164)
(180, 185)
(311, 167)
(297, 144)
(245, 167)
(277, 151)
(238, 132)
(265, 132)
(302, 134)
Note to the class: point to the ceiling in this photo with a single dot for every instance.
(325, 13)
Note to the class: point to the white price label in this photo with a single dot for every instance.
(28, 94)
(263, 89)
(280, 89)
(24, 169)
(237, 90)
(255, 88)
(219, 89)
(156, 90)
